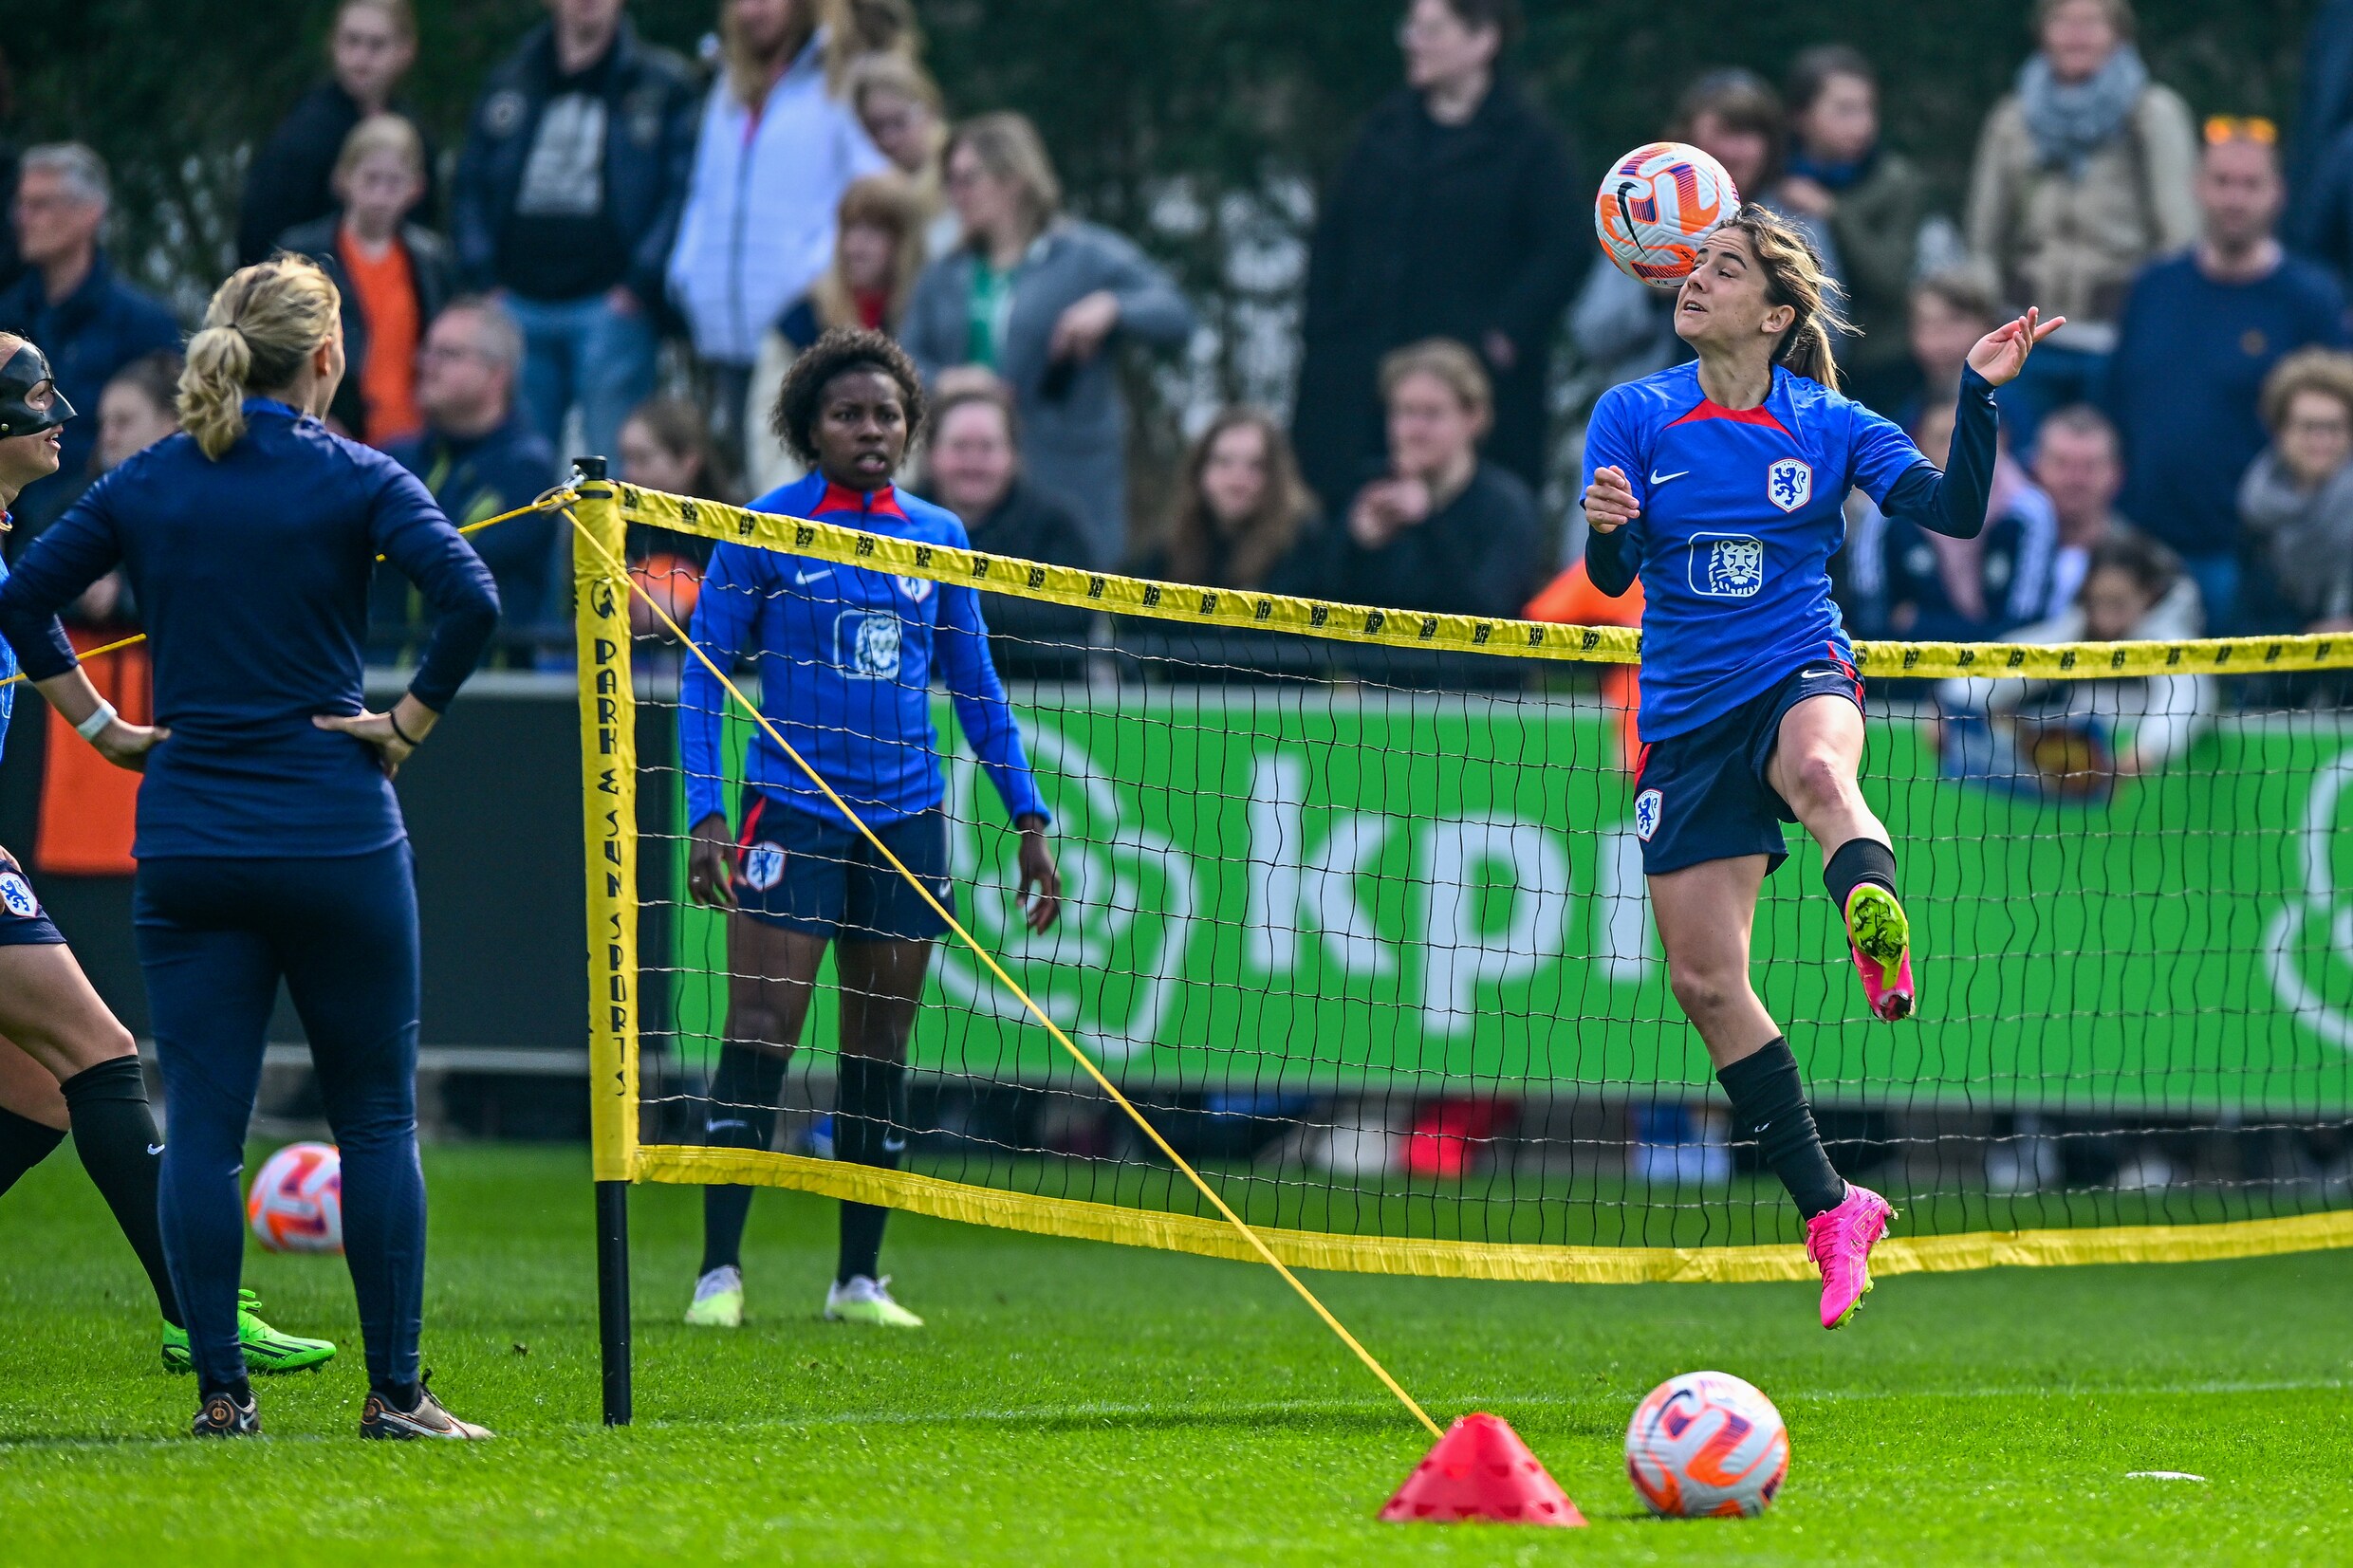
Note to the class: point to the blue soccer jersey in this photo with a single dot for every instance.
(846, 656)
(1741, 511)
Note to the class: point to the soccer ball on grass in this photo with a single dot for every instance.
(1707, 1445)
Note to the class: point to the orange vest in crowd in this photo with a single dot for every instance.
(1571, 599)
(88, 805)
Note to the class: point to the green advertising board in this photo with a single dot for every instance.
(1297, 889)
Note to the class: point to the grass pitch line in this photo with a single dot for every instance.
(1262, 1409)
(989, 960)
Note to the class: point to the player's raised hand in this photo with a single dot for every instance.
(1609, 500)
(2001, 354)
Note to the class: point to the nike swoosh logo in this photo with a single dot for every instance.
(811, 577)
(894, 1145)
(154, 1149)
(1815, 675)
(1657, 478)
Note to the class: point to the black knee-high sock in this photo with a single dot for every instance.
(24, 1143)
(870, 1128)
(114, 1132)
(742, 1115)
(1769, 1103)
(1854, 863)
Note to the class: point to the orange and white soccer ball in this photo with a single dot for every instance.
(296, 1203)
(1707, 1445)
(1657, 204)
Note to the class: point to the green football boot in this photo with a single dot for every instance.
(868, 1302)
(266, 1349)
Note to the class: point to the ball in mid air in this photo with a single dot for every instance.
(296, 1203)
(1655, 205)
(1707, 1445)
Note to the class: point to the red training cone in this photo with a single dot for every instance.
(1480, 1470)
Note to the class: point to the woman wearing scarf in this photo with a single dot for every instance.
(2082, 175)
(2297, 499)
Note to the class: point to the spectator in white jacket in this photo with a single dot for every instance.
(776, 149)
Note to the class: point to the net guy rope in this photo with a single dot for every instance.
(1084, 1062)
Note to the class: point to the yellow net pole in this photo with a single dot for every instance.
(608, 777)
(610, 549)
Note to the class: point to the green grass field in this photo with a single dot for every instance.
(1083, 1404)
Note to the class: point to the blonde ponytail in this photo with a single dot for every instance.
(261, 326)
(1794, 276)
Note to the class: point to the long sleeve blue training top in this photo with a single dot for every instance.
(846, 656)
(252, 572)
(1741, 511)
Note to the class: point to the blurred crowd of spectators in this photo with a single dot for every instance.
(626, 248)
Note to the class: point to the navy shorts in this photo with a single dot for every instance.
(23, 922)
(1701, 795)
(804, 873)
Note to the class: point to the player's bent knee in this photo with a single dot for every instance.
(1705, 993)
(1821, 781)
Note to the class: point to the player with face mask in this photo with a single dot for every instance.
(65, 1059)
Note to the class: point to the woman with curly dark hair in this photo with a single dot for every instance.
(846, 654)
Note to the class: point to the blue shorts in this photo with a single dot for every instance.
(23, 922)
(1701, 796)
(808, 875)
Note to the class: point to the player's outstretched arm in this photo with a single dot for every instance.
(1953, 502)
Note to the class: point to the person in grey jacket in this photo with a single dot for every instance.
(2295, 501)
(1032, 299)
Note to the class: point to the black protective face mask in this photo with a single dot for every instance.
(29, 402)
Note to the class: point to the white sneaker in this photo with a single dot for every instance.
(718, 1299)
(865, 1300)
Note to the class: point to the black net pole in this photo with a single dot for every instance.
(613, 1298)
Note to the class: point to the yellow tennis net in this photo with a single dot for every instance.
(1356, 970)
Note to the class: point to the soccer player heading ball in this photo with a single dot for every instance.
(845, 655)
(1721, 484)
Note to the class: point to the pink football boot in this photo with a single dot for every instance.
(1879, 935)
(1840, 1244)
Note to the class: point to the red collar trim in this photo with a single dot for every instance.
(882, 502)
(1710, 409)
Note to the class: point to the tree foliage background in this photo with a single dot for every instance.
(1197, 125)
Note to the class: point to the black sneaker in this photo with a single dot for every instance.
(379, 1419)
(222, 1416)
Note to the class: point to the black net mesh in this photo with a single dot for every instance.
(1362, 931)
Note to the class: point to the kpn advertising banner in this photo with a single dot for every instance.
(1284, 890)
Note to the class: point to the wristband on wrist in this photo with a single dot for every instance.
(100, 718)
(392, 716)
